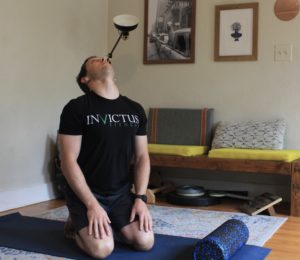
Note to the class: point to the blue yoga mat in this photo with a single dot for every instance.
(46, 237)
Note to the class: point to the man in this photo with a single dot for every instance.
(100, 134)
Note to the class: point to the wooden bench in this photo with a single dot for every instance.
(291, 169)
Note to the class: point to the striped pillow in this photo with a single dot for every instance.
(180, 126)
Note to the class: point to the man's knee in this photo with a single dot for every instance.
(98, 249)
(144, 242)
(102, 250)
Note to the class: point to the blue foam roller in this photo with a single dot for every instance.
(223, 242)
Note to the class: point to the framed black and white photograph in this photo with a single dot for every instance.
(169, 33)
(236, 29)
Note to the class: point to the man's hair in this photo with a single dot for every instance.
(82, 73)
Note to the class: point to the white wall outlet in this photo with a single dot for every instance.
(283, 52)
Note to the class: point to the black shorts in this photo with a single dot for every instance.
(118, 208)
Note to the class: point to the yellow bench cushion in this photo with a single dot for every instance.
(255, 154)
(183, 150)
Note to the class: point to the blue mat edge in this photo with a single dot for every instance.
(246, 248)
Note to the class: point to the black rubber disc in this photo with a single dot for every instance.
(174, 198)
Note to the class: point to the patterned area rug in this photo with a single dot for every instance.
(178, 222)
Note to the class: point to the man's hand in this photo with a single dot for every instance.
(140, 208)
(98, 222)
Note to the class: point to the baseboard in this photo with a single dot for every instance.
(20, 197)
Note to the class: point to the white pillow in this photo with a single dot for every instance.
(251, 134)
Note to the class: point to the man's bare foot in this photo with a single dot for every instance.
(69, 230)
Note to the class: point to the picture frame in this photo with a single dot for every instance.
(236, 32)
(169, 31)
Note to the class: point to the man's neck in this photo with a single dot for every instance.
(107, 89)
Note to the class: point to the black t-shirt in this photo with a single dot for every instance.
(108, 129)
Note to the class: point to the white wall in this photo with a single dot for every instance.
(259, 89)
(43, 43)
(262, 89)
(42, 46)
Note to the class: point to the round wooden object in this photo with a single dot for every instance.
(286, 10)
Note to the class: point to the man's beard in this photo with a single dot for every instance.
(102, 74)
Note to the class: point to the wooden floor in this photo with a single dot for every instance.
(285, 243)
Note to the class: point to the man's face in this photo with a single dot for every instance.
(98, 68)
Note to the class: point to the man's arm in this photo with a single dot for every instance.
(141, 165)
(141, 179)
(69, 151)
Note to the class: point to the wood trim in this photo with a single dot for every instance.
(216, 164)
(253, 55)
(295, 189)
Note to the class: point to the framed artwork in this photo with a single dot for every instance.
(169, 33)
(236, 27)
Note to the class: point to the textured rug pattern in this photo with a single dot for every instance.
(197, 223)
(183, 222)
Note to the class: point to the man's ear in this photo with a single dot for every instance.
(84, 79)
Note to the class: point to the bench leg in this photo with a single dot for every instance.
(295, 190)
(272, 211)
